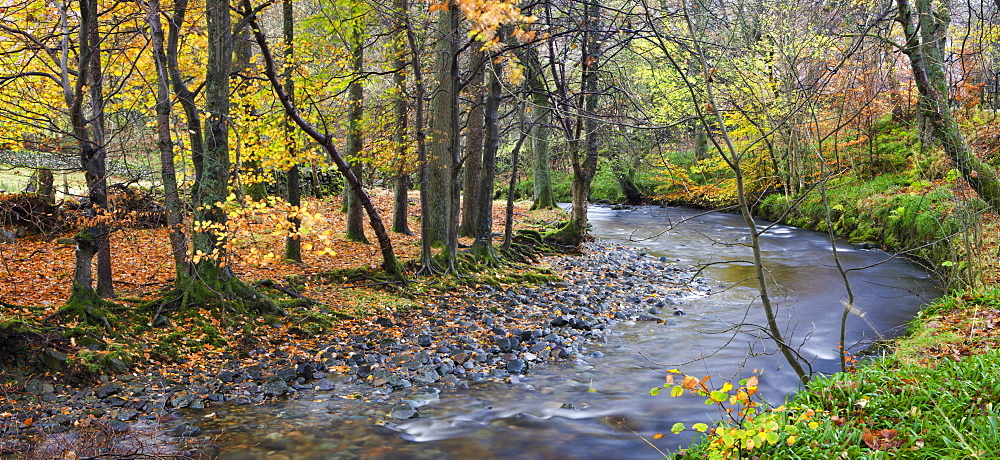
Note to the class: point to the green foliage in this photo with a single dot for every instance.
(884, 410)
(748, 429)
(891, 149)
(901, 215)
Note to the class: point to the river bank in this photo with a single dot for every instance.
(490, 333)
(903, 401)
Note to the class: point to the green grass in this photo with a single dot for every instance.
(948, 410)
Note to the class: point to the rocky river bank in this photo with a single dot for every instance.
(490, 334)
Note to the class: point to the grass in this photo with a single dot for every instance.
(885, 409)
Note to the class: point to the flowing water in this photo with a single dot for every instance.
(602, 409)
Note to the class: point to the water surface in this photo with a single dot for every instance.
(601, 408)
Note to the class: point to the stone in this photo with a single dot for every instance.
(225, 376)
(107, 389)
(274, 387)
(426, 376)
(33, 387)
(390, 378)
(324, 384)
(182, 400)
(560, 321)
(425, 340)
(185, 430)
(53, 359)
(116, 366)
(517, 366)
(287, 373)
(403, 412)
(9, 237)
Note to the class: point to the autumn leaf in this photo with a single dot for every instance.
(882, 439)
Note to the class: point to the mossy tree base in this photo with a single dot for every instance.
(215, 287)
(570, 234)
(86, 306)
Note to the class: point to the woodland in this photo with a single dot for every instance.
(175, 168)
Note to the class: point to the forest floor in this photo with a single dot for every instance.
(68, 390)
(47, 361)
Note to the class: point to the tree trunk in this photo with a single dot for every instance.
(95, 161)
(46, 185)
(355, 139)
(89, 133)
(400, 216)
(474, 135)
(542, 171)
(925, 30)
(171, 198)
(293, 242)
(584, 169)
(437, 209)
(185, 96)
(483, 246)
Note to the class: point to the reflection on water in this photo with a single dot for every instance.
(602, 409)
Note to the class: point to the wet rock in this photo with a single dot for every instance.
(185, 430)
(426, 376)
(390, 378)
(517, 366)
(384, 322)
(275, 387)
(423, 397)
(116, 366)
(287, 374)
(403, 412)
(306, 370)
(182, 400)
(225, 376)
(425, 340)
(53, 359)
(560, 321)
(107, 389)
(324, 384)
(33, 387)
(506, 343)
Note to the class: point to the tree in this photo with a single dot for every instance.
(541, 171)
(171, 195)
(355, 133)
(475, 133)
(401, 184)
(389, 262)
(293, 242)
(581, 129)
(443, 154)
(483, 246)
(925, 28)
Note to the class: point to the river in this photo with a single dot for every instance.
(602, 409)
